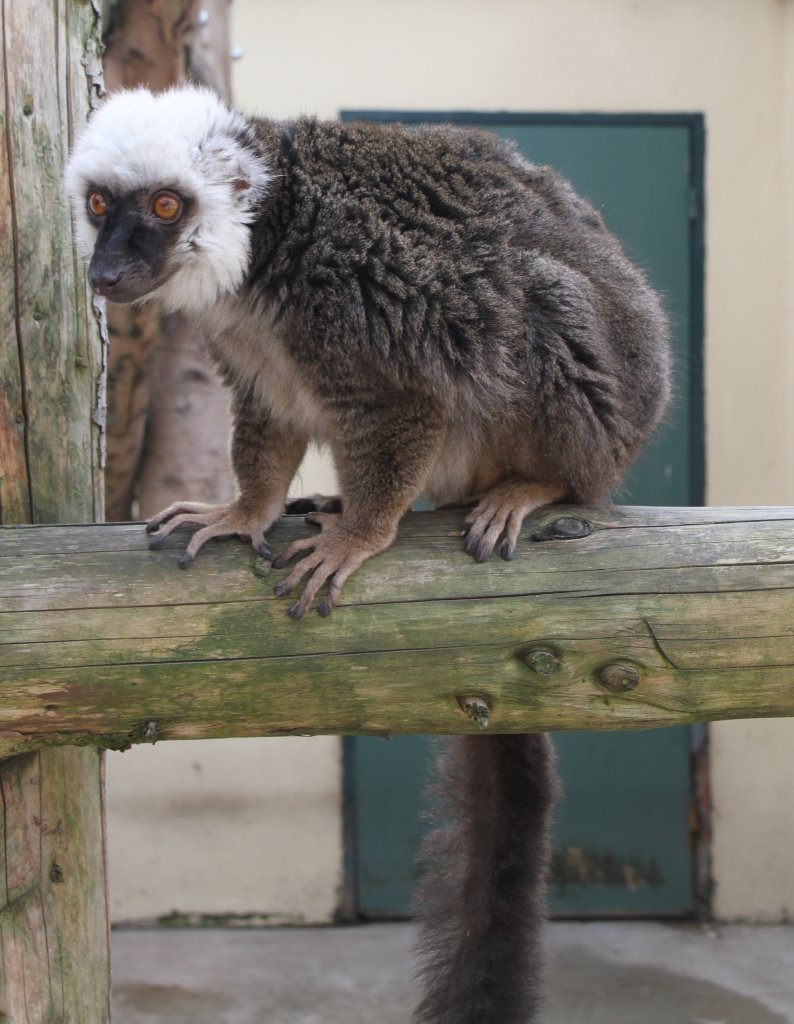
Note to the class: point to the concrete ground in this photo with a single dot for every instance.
(599, 973)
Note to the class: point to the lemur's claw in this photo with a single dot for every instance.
(507, 551)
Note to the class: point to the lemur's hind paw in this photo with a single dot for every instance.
(227, 520)
(313, 503)
(500, 512)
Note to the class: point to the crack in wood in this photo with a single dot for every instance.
(658, 645)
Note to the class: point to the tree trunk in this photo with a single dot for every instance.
(187, 449)
(53, 903)
(168, 416)
(133, 333)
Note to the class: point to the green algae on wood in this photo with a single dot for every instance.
(99, 635)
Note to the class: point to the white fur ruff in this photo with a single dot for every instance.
(185, 139)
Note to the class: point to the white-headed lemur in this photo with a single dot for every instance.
(452, 321)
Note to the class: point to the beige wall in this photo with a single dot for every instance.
(225, 827)
(732, 60)
(723, 57)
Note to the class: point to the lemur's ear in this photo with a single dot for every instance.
(226, 160)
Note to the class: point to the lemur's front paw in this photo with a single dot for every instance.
(331, 557)
(227, 520)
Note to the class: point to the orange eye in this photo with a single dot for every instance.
(166, 206)
(97, 204)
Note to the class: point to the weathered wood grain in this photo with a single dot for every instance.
(54, 952)
(52, 358)
(100, 636)
(53, 908)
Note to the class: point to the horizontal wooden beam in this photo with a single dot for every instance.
(606, 619)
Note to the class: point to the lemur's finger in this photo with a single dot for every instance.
(178, 507)
(182, 519)
(220, 528)
(335, 584)
(262, 548)
(306, 544)
(477, 527)
(312, 559)
(316, 580)
(508, 548)
(322, 519)
(484, 549)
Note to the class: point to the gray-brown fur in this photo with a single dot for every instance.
(440, 264)
(448, 319)
(482, 913)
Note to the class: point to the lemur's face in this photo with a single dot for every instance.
(164, 189)
(137, 241)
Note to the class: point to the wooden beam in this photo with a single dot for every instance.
(650, 617)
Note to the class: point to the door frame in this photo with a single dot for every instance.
(695, 123)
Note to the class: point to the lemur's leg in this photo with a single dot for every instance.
(500, 511)
(265, 457)
(383, 456)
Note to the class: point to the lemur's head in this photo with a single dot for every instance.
(164, 188)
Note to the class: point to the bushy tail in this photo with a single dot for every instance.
(482, 901)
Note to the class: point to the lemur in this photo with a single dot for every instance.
(452, 321)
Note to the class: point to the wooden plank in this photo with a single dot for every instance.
(103, 636)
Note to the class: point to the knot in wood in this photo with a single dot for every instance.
(564, 528)
(261, 567)
(476, 708)
(543, 661)
(150, 732)
(619, 677)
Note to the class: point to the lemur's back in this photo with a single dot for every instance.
(457, 267)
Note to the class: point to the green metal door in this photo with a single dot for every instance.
(622, 841)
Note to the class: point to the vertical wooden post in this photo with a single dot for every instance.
(54, 962)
